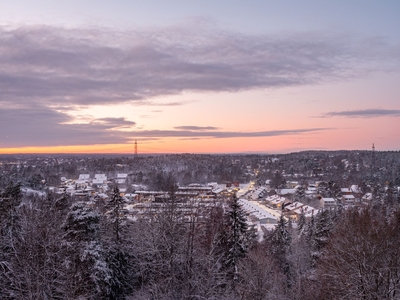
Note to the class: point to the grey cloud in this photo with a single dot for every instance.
(222, 134)
(39, 126)
(96, 66)
(196, 128)
(115, 122)
(364, 113)
(159, 103)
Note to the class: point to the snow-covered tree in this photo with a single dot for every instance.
(87, 273)
(300, 193)
(118, 255)
(237, 241)
(323, 227)
(301, 223)
(361, 260)
(10, 230)
(279, 242)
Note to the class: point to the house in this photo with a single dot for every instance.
(99, 179)
(284, 192)
(308, 212)
(293, 206)
(259, 193)
(367, 198)
(328, 203)
(132, 197)
(292, 184)
(348, 200)
(355, 189)
(276, 201)
(268, 183)
(257, 212)
(346, 191)
(84, 177)
(121, 178)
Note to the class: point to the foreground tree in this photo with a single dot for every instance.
(87, 274)
(10, 233)
(238, 239)
(362, 258)
(279, 241)
(117, 247)
(259, 277)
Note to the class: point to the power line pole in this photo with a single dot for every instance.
(373, 155)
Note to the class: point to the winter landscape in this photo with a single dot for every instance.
(199, 150)
(306, 225)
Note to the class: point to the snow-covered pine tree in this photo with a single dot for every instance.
(323, 228)
(310, 231)
(237, 236)
(115, 215)
(118, 259)
(300, 193)
(279, 242)
(301, 223)
(87, 273)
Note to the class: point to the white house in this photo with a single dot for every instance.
(328, 203)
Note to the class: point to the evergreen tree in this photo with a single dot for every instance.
(87, 273)
(323, 228)
(301, 223)
(237, 236)
(310, 231)
(115, 215)
(279, 242)
(118, 258)
(300, 193)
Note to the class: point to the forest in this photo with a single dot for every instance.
(55, 247)
(52, 248)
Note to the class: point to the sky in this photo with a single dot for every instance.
(179, 76)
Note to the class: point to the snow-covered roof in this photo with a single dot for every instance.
(355, 189)
(328, 199)
(367, 196)
(98, 181)
(294, 206)
(255, 210)
(84, 177)
(217, 190)
(308, 211)
(286, 191)
(122, 175)
(196, 188)
(103, 196)
(275, 199)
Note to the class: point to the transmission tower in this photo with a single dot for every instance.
(135, 151)
(373, 156)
